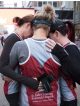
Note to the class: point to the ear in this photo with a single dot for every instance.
(56, 34)
(27, 24)
(50, 35)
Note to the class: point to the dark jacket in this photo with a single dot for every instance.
(70, 60)
(5, 68)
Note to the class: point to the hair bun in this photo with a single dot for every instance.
(48, 9)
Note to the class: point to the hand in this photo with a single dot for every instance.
(50, 44)
(45, 82)
(40, 87)
(6, 79)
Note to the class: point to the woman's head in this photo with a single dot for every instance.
(58, 30)
(24, 25)
(59, 26)
(43, 19)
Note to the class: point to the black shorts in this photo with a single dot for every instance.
(69, 103)
(13, 99)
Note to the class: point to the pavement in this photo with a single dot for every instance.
(3, 101)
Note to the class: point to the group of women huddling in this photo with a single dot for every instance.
(45, 66)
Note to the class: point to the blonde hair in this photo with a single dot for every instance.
(47, 13)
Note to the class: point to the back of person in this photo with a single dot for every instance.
(23, 30)
(35, 61)
(38, 62)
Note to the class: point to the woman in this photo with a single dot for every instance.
(68, 57)
(22, 31)
(30, 54)
(71, 37)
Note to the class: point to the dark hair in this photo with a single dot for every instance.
(58, 25)
(25, 19)
(70, 30)
(16, 19)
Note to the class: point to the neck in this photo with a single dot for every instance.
(19, 33)
(64, 41)
(40, 34)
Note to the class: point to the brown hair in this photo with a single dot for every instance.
(25, 19)
(70, 30)
(16, 19)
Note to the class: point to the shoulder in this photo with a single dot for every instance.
(12, 37)
(20, 50)
(71, 45)
(73, 50)
(20, 44)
